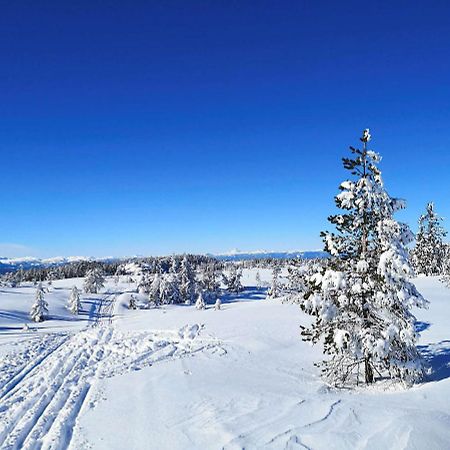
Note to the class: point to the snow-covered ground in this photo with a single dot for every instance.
(179, 378)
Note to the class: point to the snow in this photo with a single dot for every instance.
(175, 377)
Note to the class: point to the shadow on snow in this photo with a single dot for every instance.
(248, 294)
(437, 357)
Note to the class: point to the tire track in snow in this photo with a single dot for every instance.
(26, 399)
(42, 401)
(7, 388)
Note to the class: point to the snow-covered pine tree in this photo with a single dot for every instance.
(168, 290)
(144, 284)
(132, 303)
(299, 272)
(210, 282)
(430, 251)
(74, 304)
(258, 280)
(218, 305)
(362, 301)
(274, 290)
(40, 307)
(154, 293)
(174, 265)
(200, 303)
(233, 279)
(94, 281)
(187, 280)
(175, 294)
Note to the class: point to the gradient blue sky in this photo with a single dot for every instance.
(159, 127)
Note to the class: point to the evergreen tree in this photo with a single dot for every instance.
(274, 290)
(94, 281)
(74, 304)
(200, 303)
(154, 293)
(175, 293)
(144, 284)
(40, 306)
(168, 290)
(187, 280)
(210, 282)
(429, 253)
(361, 302)
(258, 280)
(218, 304)
(132, 303)
(233, 279)
(174, 265)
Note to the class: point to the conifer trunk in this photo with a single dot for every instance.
(368, 370)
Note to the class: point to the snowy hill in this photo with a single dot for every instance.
(237, 255)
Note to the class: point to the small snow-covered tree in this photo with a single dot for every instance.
(362, 300)
(40, 307)
(144, 284)
(174, 265)
(274, 290)
(187, 280)
(299, 272)
(74, 304)
(132, 303)
(94, 281)
(210, 282)
(428, 256)
(218, 304)
(168, 290)
(200, 303)
(258, 280)
(233, 279)
(154, 293)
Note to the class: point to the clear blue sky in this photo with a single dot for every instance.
(157, 127)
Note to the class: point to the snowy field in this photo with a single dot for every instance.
(179, 378)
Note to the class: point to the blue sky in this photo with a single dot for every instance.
(159, 127)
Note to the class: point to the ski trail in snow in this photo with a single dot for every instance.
(41, 402)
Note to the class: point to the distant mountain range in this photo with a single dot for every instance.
(237, 255)
(11, 264)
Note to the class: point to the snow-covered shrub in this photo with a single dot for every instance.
(362, 300)
(200, 303)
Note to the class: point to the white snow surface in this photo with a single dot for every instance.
(180, 378)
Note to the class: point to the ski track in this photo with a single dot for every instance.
(40, 403)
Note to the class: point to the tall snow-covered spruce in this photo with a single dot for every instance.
(362, 299)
